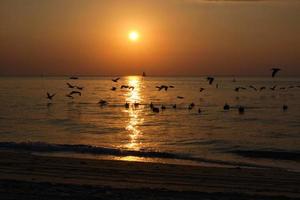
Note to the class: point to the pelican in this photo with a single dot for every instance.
(50, 96)
(275, 71)
(79, 88)
(254, 88)
(124, 86)
(131, 87)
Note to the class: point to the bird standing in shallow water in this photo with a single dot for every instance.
(241, 110)
(226, 107)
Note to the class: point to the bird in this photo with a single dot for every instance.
(70, 96)
(273, 88)
(254, 88)
(75, 92)
(199, 111)
(79, 88)
(210, 80)
(262, 88)
(241, 110)
(73, 77)
(151, 105)
(113, 88)
(162, 87)
(282, 88)
(136, 104)
(237, 89)
(116, 79)
(202, 89)
(180, 97)
(131, 87)
(275, 71)
(70, 86)
(102, 102)
(163, 107)
(285, 107)
(191, 106)
(226, 107)
(126, 105)
(50, 96)
(155, 109)
(124, 86)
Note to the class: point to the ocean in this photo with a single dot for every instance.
(264, 136)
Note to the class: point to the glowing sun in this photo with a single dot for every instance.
(133, 36)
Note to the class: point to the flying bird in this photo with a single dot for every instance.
(70, 86)
(254, 88)
(50, 96)
(74, 77)
(116, 79)
(275, 71)
(180, 97)
(75, 92)
(273, 88)
(202, 89)
(70, 96)
(113, 88)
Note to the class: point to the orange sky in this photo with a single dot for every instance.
(178, 37)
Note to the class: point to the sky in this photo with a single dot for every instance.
(177, 37)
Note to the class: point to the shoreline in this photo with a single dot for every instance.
(22, 170)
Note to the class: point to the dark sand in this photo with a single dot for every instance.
(25, 176)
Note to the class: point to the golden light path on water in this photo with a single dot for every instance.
(135, 118)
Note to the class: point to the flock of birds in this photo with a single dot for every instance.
(76, 90)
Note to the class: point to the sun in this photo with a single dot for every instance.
(133, 36)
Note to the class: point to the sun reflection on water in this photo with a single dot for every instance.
(135, 119)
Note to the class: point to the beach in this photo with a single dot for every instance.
(27, 176)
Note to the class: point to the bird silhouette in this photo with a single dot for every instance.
(254, 88)
(103, 102)
(50, 96)
(131, 87)
(241, 110)
(210, 80)
(199, 111)
(70, 86)
(162, 87)
(79, 88)
(202, 89)
(275, 71)
(155, 109)
(74, 77)
(124, 86)
(174, 106)
(285, 107)
(262, 88)
(75, 92)
(163, 107)
(226, 107)
(273, 88)
(70, 96)
(191, 106)
(116, 79)
(126, 105)
(180, 97)
(113, 88)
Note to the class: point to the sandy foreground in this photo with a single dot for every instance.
(26, 176)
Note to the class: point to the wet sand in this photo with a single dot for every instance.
(25, 176)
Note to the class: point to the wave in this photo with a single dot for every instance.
(42, 147)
